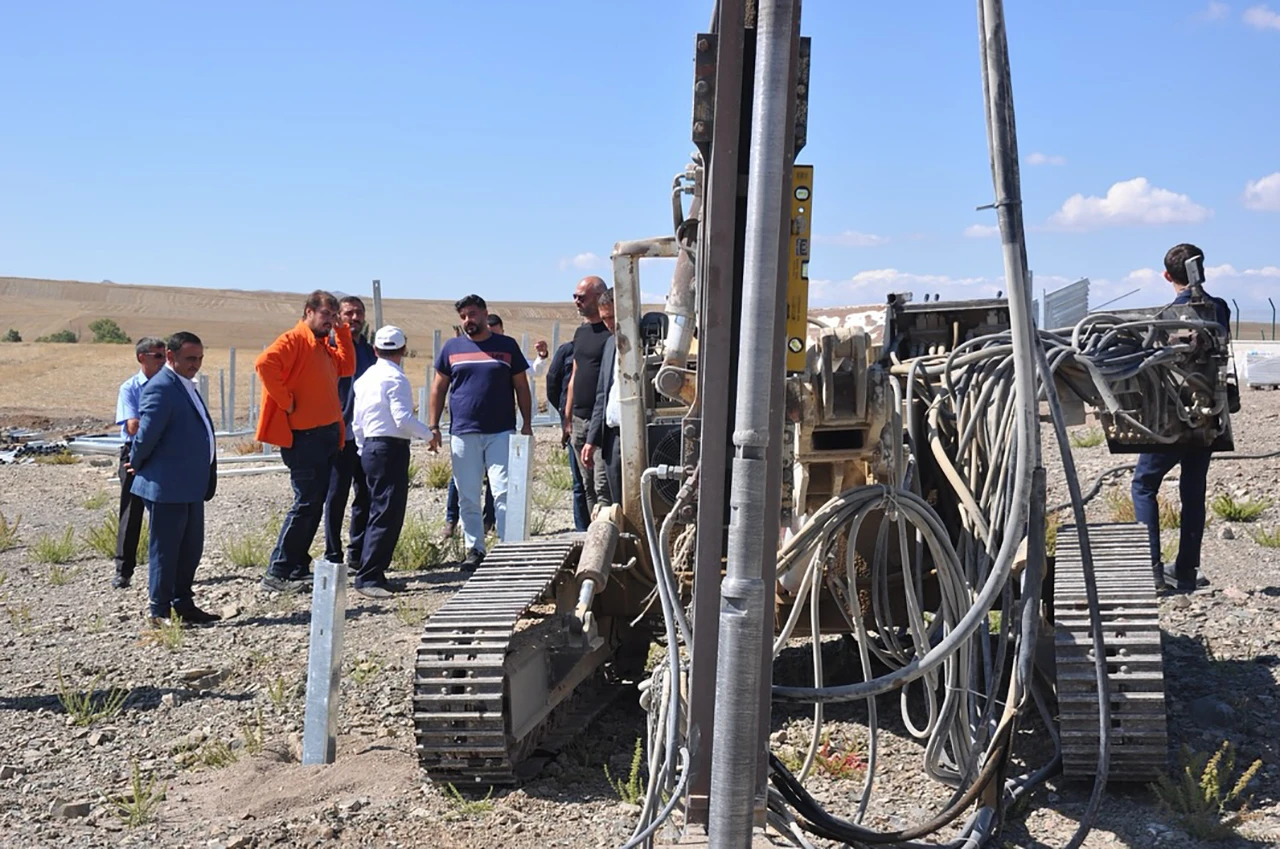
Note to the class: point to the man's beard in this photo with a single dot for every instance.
(470, 328)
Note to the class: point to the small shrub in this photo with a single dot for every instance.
(632, 790)
(1169, 551)
(414, 472)
(251, 733)
(1052, 522)
(1226, 507)
(557, 476)
(60, 576)
(1120, 508)
(101, 538)
(88, 707)
(1268, 537)
(1090, 438)
(439, 473)
(410, 615)
(364, 671)
(19, 617)
(278, 692)
(60, 549)
(837, 764)
(9, 532)
(98, 500)
(105, 330)
(470, 807)
(64, 336)
(216, 754)
(61, 458)
(1170, 515)
(245, 447)
(13, 336)
(1202, 797)
(169, 634)
(419, 546)
(249, 551)
(137, 806)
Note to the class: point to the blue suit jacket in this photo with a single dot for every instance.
(170, 456)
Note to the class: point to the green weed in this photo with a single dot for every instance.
(62, 458)
(101, 538)
(60, 576)
(251, 733)
(364, 671)
(439, 471)
(138, 805)
(56, 549)
(632, 790)
(168, 634)
(1226, 507)
(278, 691)
(1269, 537)
(1202, 796)
(1090, 438)
(98, 500)
(419, 546)
(410, 615)
(86, 708)
(470, 807)
(9, 532)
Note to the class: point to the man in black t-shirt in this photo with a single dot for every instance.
(484, 376)
(588, 349)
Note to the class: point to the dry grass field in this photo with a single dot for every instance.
(63, 385)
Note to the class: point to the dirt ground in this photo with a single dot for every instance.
(215, 721)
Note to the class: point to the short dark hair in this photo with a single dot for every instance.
(147, 344)
(606, 298)
(351, 299)
(470, 301)
(182, 337)
(320, 298)
(494, 319)
(1175, 261)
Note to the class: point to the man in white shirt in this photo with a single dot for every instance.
(383, 422)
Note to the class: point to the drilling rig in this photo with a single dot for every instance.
(872, 470)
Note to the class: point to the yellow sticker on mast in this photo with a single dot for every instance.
(798, 266)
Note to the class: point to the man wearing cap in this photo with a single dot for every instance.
(383, 423)
(483, 374)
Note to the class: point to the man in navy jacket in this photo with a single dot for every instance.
(175, 471)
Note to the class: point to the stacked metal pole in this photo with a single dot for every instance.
(735, 757)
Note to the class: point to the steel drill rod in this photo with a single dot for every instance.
(735, 758)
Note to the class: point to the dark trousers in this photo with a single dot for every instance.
(346, 472)
(451, 505)
(611, 457)
(131, 510)
(177, 542)
(1192, 484)
(581, 515)
(309, 462)
(386, 470)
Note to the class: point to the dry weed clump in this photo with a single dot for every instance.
(56, 549)
(9, 531)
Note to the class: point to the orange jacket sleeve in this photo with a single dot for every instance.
(274, 363)
(344, 356)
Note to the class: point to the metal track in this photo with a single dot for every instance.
(1135, 663)
(461, 684)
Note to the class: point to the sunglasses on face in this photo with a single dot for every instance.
(578, 297)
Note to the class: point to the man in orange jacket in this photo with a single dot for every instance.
(301, 413)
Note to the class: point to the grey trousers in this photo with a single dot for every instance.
(594, 480)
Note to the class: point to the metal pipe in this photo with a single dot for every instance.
(1236, 307)
(680, 305)
(735, 760)
(222, 398)
(377, 305)
(1273, 319)
(231, 393)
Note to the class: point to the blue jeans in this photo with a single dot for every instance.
(473, 455)
(581, 515)
(1192, 486)
(309, 462)
(177, 542)
(451, 505)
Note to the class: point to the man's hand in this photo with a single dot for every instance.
(526, 429)
(434, 445)
(588, 460)
(128, 467)
(540, 347)
(564, 438)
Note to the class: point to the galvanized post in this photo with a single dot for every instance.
(1236, 307)
(253, 399)
(423, 412)
(735, 758)
(515, 526)
(1273, 319)
(435, 351)
(324, 663)
(231, 391)
(202, 385)
(555, 337)
(377, 305)
(222, 397)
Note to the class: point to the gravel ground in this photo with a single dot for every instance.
(216, 721)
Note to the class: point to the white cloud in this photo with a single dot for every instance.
(1046, 159)
(981, 231)
(1216, 11)
(871, 287)
(1249, 286)
(653, 297)
(1131, 202)
(851, 239)
(1264, 193)
(586, 262)
(1261, 17)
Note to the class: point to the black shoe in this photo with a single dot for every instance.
(471, 562)
(195, 616)
(121, 581)
(1168, 580)
(376, 591)
(271, 583)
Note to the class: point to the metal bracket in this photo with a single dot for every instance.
(704, 88)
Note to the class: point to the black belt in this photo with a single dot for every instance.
(391, 439)
(333, 426)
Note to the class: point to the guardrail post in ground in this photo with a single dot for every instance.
(324, 663)
(519, 488)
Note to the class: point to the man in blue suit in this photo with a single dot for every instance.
(174, 466)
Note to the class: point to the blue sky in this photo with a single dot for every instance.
(503, 147)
